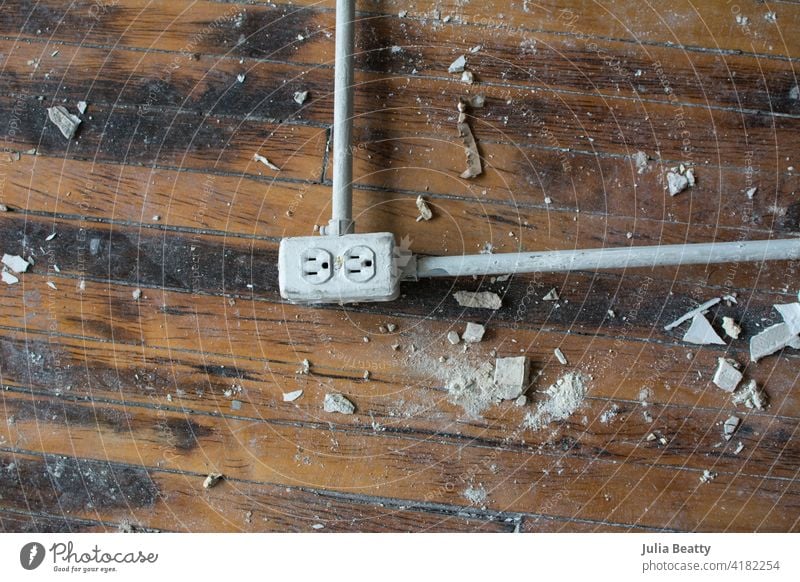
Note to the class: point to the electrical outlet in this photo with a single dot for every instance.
(340, 269)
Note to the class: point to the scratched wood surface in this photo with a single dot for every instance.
(114, 409)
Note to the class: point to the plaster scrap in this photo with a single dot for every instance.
(728, 377)
(473, 333)
(565, 397)
(560, 356)
(472, 388)
(690, 177)
(474, 167)
(739, 448)
(66, 122)
(458, 65)
(425, 212)
(701, 332)
(338, 403)
(292, 396)
(475, 495)
(552, 295)
(521, 401)
(751, 192)
(453, 337)
(265, 161)
(212, 480)
(467, 77)
(305, 367)
(3, 208)
(478, 299)
(677, 183)
(729, 427)
(790, 312)
(732, 329)
(15, 263)
(707, 476)
(477, 101)
(751, 396)
(51, 236)
(690, 314)
(136, 294)
(511, 376)
(9, 279)
(640, 159)
(300, 97)
(241, 77)
(771, 340)
(82, 105)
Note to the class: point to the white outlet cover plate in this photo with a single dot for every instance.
(375, 279)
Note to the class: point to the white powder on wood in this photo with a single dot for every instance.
(565, 397)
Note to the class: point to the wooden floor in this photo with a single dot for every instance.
(115, 409)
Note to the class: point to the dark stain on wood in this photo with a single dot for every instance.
(64, 484)
(67, 413)
(182, 433)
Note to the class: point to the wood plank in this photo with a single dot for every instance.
(19, 522)
(184, 140)
(136, 498)
(409, 399)
(393, 466)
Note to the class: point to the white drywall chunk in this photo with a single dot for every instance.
(457, 66)
(751, 396)
(511, 376)
(453, 338)
(300, 97)
(474, 333)
(66, 122)
(560, 356)
(732, 329)
(771, 340)
(338, 403)
(9, 279)
(552, 295)
(292, 396)
(676, 183)
(790, 312)
(702, 333)
(479, 299)
(730, 426)
(690, 314)
(16, 263)
(425, 212)
(727, 375)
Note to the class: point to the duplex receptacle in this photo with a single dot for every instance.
(339, 269)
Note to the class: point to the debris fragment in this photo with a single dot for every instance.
(732, 329)
(475, 100)
(727, 376)
(292, 396)
(640, 159)
(467, 77)
(690, 314)
(82, 105)
(751, 396)
(305, 367)
(521, 401)
(266, 162)
(474, 333)
(15, 263)
(458, 65)
(391, 327)
(478, 299)
(66, 122)
(474, 168)
(552, 295)
(742, 20)
(453, 338)
(136, 294)
(212, 480)
(707, 476)
(739, 448)
(565, 397)
(338, 403)
(3, 208)
(771, 340)
(51, 236)
(511, 376)
(562, 359)
(790, 312)
(300, 97)
(475, 495)
(729, 427)
(425, 212)
(318, 526)
(701, 332)
(751, 192)
(8, 278)
(241, 77)
(677, 183)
